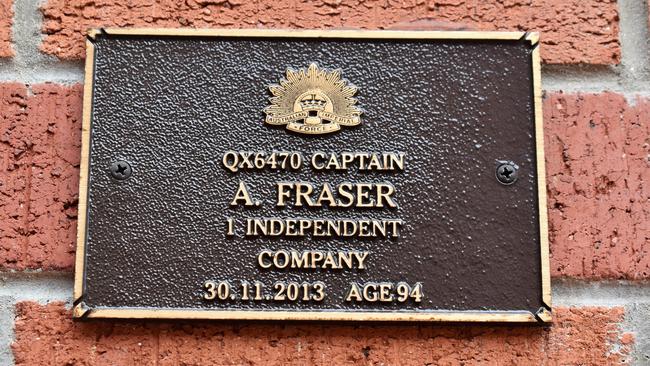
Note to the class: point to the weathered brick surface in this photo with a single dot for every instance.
(13, 180)
(598, 167)
(573, 31)
(39, 158)
(46, 335)
(597, 154)
(6, 20)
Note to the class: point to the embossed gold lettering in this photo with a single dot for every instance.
(386, 161)
(242, 195)
(365, 195)
(312, 259)
(388, 228)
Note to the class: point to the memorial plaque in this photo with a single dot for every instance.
(312, 175)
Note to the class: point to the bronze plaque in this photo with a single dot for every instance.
(312, 175)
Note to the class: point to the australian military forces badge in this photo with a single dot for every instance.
(313, 101)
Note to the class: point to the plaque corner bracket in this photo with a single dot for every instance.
(93, 33)
(533, 38)
(544, 315)
(80, 310)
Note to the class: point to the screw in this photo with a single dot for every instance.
(507, 172)
(121, 170)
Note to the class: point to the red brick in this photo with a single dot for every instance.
(6, 20)
(13, 180)
(39, 147)
(46, 335)
(598, 168)
(597, 149)
(573, 31)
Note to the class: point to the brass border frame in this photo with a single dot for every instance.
(543, 315)
(80, 255)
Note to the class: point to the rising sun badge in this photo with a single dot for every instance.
(313, 101)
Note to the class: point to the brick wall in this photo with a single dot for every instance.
(597, 137)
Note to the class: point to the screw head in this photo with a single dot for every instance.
(121, 170)
(507, 173)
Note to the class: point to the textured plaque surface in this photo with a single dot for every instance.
(170, 106)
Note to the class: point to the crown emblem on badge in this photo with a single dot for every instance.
(313, 101)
